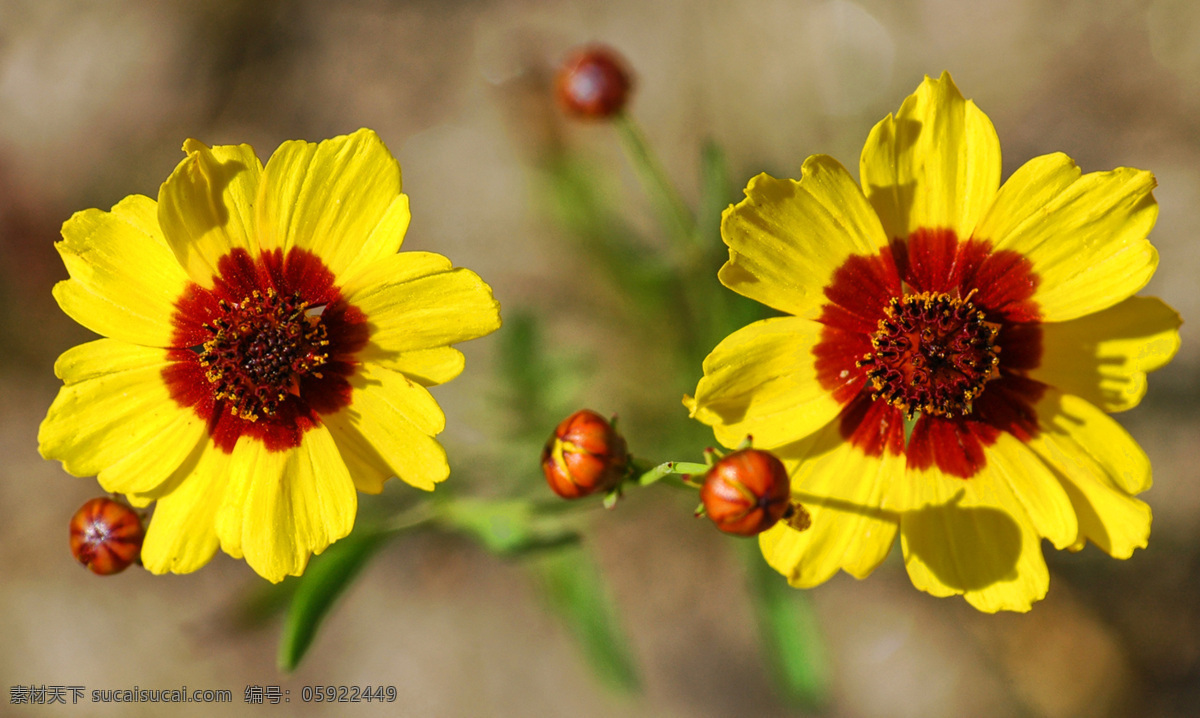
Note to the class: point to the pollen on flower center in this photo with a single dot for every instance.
(933, 353)
(260, 349)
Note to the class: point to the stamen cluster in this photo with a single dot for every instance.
(933, 353)
(260, 349)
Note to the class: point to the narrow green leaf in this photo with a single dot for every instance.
(326, 578)
(573, 588)
(789, 634)
(506, 528)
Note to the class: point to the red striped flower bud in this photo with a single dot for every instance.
(106, 536)
(746, 492)
(585, 455)
(593, 83)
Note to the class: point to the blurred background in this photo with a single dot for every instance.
(96, 99)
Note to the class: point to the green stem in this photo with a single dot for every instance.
(673, 212)
(668, 468)
(418, 515)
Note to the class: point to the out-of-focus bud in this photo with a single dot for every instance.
(746, 492)
(585, 455)
(593, 83)
(106, 536)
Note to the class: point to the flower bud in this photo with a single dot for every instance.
(106, 536)
(585, 455)
(746, 492)
(593, 83)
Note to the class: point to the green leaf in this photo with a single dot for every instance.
(326, 578)
(506, 528)
(573, 588)
(789, 634)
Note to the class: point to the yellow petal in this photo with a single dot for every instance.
(1084, 235)
(1108, 515)
(339, 199)
(1104, 357)
(762, 381)
(843, 490)
(114, 405)
(281, 507)
(412, 313)
(787, 238)
(1074, 430)
(367, 468)
(124, 278)
(394, 269)
(978, 542)
(427, 367)
(936, 165)
(397, 418)
(206, 206)
(182, 535)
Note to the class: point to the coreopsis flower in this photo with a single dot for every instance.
(267, 350)
(950, 350)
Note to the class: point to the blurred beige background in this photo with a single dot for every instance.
(97, 97)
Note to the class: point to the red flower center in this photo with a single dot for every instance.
(917, 329)
(260, 349)
(932, 353)
(267, 350)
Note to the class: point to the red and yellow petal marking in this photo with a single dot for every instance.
(274, 404)
(935, 165)
(788, 237)
(114, 405)
(280, 507)
(997, 284)
(1104, 357)
(205, 207)
(762, 381)
(339, 199)
(124, 277)
(1084, 235)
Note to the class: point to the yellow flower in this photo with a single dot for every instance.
(951, 349)
(267, 350)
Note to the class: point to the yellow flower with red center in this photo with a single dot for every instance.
(267, 350)
(951, 349)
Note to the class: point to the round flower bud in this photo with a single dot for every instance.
(593, 83)
(746, 492)
(585, 455)
(106, 536)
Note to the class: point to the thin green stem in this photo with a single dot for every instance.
(673, 212)
(418, 515)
